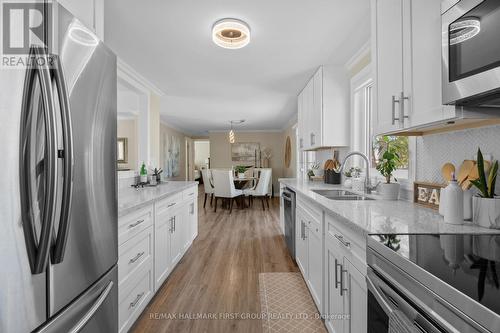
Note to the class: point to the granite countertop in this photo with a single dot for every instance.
(383, 216)
(130, 199)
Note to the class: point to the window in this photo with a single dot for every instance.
(362, 138)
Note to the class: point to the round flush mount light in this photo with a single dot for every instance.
(463, 30)
(231, 33)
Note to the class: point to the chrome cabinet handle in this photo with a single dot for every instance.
(301, 143)
(175, 223)
(67, 156)
(134, 259)
(171, 225)
(130, 226)
(137, 299)
(336, 275)
(38, 249)
(313, 139)
(340, 238)
(401, 103)
(170, 205)
(342, 289)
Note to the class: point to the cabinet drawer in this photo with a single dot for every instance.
(134, 223)
(190, 193)
(134, 253)
(311, 222)
(168, 203)
(133, 300)
(315, 211)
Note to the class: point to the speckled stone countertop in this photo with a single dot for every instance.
(382, 216)
(130, 199)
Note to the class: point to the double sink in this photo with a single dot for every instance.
(341, 195)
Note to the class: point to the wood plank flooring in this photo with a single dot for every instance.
(217, 279)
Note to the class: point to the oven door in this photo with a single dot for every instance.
(471, 53)
(391, 311)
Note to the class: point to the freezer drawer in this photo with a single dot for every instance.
(95, 311)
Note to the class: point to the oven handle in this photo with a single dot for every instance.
(378, 296)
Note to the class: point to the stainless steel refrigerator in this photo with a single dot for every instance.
(58, 201)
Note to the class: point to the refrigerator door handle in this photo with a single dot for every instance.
(86, 318)
(38, 250)
(67, 155)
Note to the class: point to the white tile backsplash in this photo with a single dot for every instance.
(454, 147)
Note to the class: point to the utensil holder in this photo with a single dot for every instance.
(332, 177)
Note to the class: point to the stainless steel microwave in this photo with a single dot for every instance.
(471, 52)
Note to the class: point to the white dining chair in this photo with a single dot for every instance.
(261, 188)
(224, 187)
(206, 174)
(256, 172)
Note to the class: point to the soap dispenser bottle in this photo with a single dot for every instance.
(454, 203)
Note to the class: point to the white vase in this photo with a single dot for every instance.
(389, 191)
(486, 212)
(468, 205)
(454, 210)
(348, 183)
(144, 179)
(318, 172)
(358, 184)
(241, 175)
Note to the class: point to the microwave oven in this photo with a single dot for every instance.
(471, 53)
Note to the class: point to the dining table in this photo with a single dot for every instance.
(241, 183)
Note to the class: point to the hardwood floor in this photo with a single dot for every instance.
(217, 280)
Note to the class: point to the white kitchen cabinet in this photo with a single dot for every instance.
(387, 60)
(301, 247)
(324, 110)
(90, 12)
(162, 258)
(355, 298)
(406, 58)
(315, 259)
(344, 276)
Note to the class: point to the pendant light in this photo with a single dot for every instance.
(232, 137)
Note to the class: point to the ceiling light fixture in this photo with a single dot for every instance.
(232, 137)
(231, 33)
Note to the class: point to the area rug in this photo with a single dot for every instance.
(287, 305)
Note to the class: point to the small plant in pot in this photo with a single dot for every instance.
(486, 205)
(316, 169)
(353, 172)
(386, 166)
(240, 171)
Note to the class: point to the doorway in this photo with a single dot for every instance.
(201, 157)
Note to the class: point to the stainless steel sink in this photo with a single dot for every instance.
(341, 195)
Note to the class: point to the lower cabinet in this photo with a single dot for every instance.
(309, 252)
(345, 284)
(152, 241)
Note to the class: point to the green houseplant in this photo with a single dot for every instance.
(240, 171)
(486, 205)
(386, 166)
(143, 173)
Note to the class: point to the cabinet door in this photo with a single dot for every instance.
(301, 245)
(307, 110)
(388, 62)
(425, 96)
(193, 218)
(315, 259)
(162, 254)
(316, 117)
(355, 299)
(300, 120)
(177, 238)
(334, 303)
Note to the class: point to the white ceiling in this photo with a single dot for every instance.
(169, 43)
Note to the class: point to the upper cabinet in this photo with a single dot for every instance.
(406, 58)
(90, 12)
(323, 107)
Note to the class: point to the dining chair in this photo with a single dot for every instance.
(206, 174)
(224, 187)
(261, 188)
(256, 172)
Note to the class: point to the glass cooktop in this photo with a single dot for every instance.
(469, 263)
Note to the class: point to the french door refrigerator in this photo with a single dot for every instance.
(58, 203)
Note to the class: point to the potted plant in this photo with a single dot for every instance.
(143, 173)
(240, 171)
(486, 205)
(386, 166)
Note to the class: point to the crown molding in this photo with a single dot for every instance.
(360, 54)
(133, 77)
